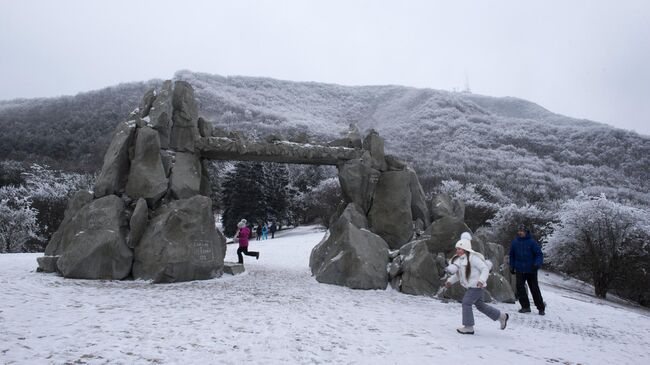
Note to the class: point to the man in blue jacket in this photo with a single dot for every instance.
(525, 259)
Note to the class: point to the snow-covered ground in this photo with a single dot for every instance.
(277, 313)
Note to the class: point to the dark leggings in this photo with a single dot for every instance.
(244, 250)
(531, 279)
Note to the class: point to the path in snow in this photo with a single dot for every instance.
(277, 313)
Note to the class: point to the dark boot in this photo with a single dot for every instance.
(524, 310)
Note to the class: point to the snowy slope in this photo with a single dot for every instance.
(277, 313)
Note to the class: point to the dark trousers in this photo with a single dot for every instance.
(531, 279)
(245, 251)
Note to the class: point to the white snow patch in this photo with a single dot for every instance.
(276, 313)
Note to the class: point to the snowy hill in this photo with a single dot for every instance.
(444, 135)
(277, 313)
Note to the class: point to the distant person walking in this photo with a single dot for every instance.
(265, 232)
(469, 267)
(242, 234)
(258, 231)
(525, 259)
(273, 228)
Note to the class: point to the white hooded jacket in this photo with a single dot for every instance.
(479, 271)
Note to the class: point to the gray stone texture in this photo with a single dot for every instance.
(205, 127)
(233, 268)
(96, 242)
(500, 288)
(160, 114)
(375, 145)
(206, 187)
(147, 176)
(352, 257)
(419, 270)
(419, 208)
(358, 182)
(444, 233)
(113, 176)
(56, 245)
(185, 130)
(181, 244)
(47, 263)
(147, 102)
(444, 206)
(390, 213)
(185, 178)
(138, 222)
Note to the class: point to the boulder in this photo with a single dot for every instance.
(147, 176)
(390, 213)
(395, 164)
(358, 181)
(493, 252)
(395, 268)
(444, 233)
(147, 102)
(352, 257)
(180, 244)
(444, 206)
(95, 242)
(500, 288)
(419, 208)
(185, 178)
(167, 157)
(375, 145)
(352, 214)
(185, 130)
(233, 268)
(113, 176)
(138, 222)
(79, 199)
(419, 270)
(47, 263)
(205, 127)
(160, 114)
(206, 187)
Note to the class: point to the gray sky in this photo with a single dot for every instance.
(582, 58)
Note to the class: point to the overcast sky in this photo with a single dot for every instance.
(586, 59)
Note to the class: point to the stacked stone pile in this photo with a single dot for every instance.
(149, 216)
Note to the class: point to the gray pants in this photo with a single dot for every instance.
(474, 296)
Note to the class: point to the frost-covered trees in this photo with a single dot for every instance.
(17, 219)
(32, 204)
(600, 240)
(503, 227)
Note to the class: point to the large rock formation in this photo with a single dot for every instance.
(145, 171)
(351, 256)
(420, 272)
(180, 244)
(96, 242)
(390, 213)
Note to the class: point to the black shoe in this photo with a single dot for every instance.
(541, 312)
(257, 257)
(524, 310)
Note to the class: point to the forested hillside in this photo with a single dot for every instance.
(517, 149)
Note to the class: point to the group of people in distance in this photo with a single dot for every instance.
(244, 233)
(471, 269)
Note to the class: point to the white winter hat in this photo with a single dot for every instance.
(241, 223)
(466, 236)
(465, 245)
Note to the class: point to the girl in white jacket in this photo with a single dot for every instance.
(469, 267)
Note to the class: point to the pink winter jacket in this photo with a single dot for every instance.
(244, 233)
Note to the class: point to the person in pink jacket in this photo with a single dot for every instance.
(242, 234)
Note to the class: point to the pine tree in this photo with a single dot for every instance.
(243, 196)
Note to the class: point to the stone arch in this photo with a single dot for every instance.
(150, 217)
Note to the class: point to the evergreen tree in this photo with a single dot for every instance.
(243, 196)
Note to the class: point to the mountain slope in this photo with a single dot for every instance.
(526, 153)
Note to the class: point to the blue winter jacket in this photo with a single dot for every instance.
(525, 254)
